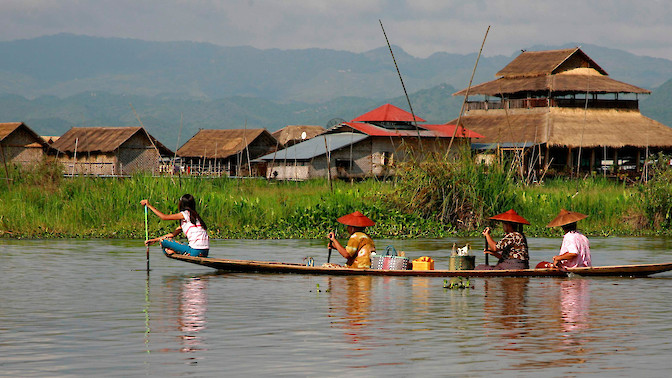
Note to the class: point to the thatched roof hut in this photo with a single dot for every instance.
(104, 140)
(556, 101)
(216, 151)
(573, 128)
(110, 151)
(222, 144)
(20, 144)
(290, 135)
(556, 71)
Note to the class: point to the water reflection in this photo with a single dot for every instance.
(350, 304)
(191, 308)
(574, 303)
(549, 319)
(191, 312)
(505, 303)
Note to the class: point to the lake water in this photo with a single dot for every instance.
(72, 308)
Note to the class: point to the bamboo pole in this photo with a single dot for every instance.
(415, 123)
(326, 148)
(466, 95)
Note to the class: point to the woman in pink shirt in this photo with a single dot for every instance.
(575, 249)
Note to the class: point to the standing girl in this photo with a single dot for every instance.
(191, 225)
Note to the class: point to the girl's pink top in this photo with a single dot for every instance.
(576, 242)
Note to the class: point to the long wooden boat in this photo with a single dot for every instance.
(249, 266)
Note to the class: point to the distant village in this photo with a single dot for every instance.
(556, 111)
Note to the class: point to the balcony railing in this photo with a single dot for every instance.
(528, 103)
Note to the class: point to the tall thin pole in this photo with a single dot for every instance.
(415, 123)
(75, 157)
(146, 238)
(326, 148)
(247, 150)
(466, 95)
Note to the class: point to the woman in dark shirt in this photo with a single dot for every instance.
(511, 250)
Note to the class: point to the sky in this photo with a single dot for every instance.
(419, 27)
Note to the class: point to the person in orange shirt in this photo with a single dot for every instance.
(511, 250)
(360, 245)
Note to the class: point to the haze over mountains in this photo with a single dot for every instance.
(56, 82)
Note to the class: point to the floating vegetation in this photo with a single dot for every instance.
(457, 283)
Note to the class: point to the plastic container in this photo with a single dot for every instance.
(423, 263)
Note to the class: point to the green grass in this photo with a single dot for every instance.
(435, 199)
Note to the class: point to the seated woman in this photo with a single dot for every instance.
(511, 250)
(575, 249)
(360, 245)
(191, 225)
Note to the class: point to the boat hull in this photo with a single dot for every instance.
(251, 266)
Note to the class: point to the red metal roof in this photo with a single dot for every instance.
(387, 113)
(427, 131)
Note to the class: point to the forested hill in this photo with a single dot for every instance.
(64, 65)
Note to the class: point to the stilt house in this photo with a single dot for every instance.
(563, 112)
(110, 151)
(19, 144)
(367, 146)
(226, 152)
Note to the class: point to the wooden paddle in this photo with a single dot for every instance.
(487, 248)
(146, 238)
(329, 255)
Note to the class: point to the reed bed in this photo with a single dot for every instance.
(92, 207)
(434, 198)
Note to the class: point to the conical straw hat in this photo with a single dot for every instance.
(566, 217)
(510, 216)
(356, 219)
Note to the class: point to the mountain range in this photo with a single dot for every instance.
(175, 88)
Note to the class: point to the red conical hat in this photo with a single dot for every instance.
(510, 216)
(566, 217)
(356, 219)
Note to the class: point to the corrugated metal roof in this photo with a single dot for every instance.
(101, 139)
(387, 113)
(220, 144)
(315, 147)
